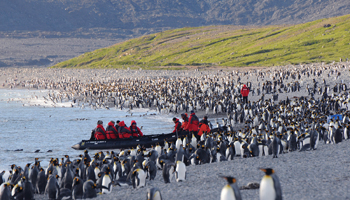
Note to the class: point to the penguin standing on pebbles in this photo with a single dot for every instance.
(89, 189)
(52, 188)
(168, 170)
(270, 187)
(231, 190)
(180, 171)
(139, 178)
(154, 194)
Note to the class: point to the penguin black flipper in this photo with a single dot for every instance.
(277, 186)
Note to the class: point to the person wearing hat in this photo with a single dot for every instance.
(117, 124)
(245, 93)
(111, 131)
(124, 131)
(193, 122)
(100, 132)
(136, 132)
(203, 126)
(185, 121)
(177, 125)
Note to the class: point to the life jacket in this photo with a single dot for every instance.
(203, 127)
(245, 91)
(177, 125)
(184, 123)
(100, 133)
(136, 132)
(111, 131)
(124, 132)
(193, 123)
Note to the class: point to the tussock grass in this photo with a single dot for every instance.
(226, 46)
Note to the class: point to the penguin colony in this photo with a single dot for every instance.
(215, 92)
(258, 128)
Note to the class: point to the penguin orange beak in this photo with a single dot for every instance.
(264, 170)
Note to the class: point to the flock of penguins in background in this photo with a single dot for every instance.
(260, 128)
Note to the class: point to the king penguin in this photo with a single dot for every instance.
(168, 170)
(5, 191)
(180, 171)
(231, 190)
(52, 188)
(270, 187)
(77, 188)
(154, 194)
(106, 183)
(138, 178)
(89, 189)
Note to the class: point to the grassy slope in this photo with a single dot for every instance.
(227, 46)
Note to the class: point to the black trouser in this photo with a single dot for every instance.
(245, 100)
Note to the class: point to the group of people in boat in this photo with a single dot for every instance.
(115, 131)
(118, 130)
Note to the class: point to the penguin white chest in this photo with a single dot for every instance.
(267, 189)
(180, 171)
(106, 182)
(227, 193)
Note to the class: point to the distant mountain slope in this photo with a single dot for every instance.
(70, 15)
(324, 40)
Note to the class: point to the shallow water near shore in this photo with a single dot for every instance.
(26, 128)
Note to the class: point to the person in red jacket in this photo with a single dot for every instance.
(177, 125)
(203, 126)
(100, 133)
(111, 131)
(135, 131)
(124, 132)
(245, 93)
(193, 122)
(185, 121)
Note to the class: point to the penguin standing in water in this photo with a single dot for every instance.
(180, 171)
(270, 187)
(154, 194)
(231, 190)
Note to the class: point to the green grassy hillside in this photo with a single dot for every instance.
(227, 46)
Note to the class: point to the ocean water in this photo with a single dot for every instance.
(25, 128)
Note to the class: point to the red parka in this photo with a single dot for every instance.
(244, 91)
(185, 122)
(100, 133)
(193, 123)
(177, 126)
(136, 132)
(124, 132)
(111, 131)
(203, 127)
